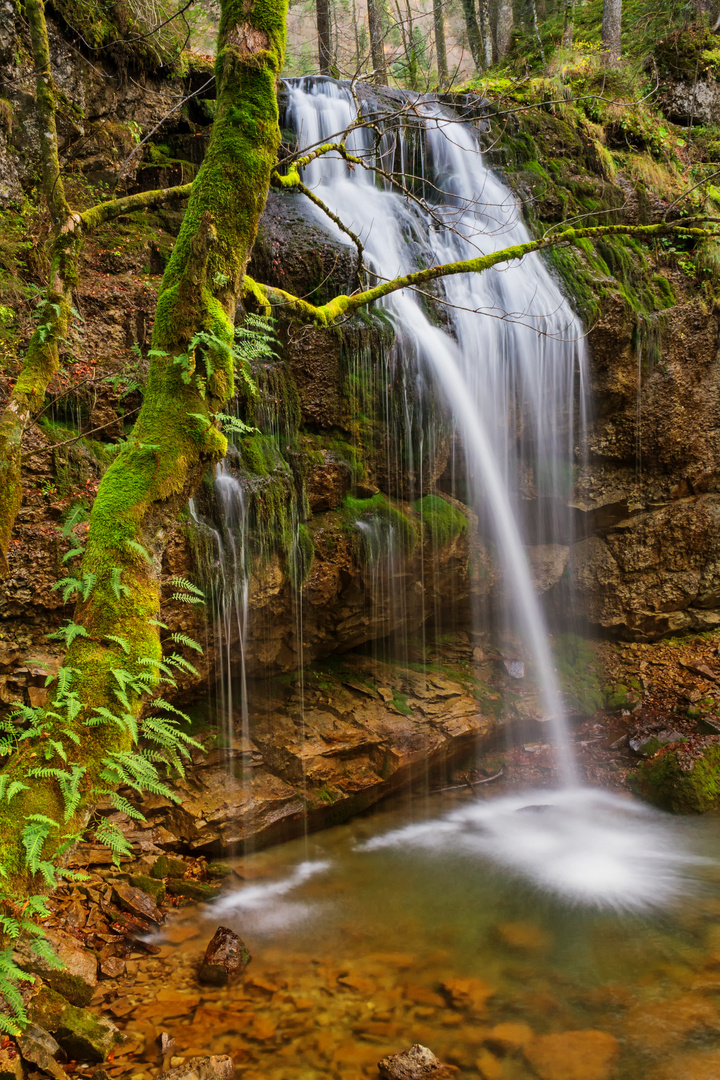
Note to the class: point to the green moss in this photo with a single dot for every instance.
(681, 779)
(443, 521)
(150, 885)
(386, 521)
(193, 890)
(301, 557)
(577, 670)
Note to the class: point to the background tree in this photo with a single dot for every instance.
(324, 36)
(440, 47)
(377, 42)
(611, 27)
(504, 25)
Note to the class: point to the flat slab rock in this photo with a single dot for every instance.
(415, 1064)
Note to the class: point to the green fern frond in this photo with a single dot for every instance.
(184, 639)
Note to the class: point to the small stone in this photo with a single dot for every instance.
(414, 1064)
(112, 967)
(509, 1036)
(167, 1044)
(138, 903)
(573, 1055)
(226, 957)
(524, 936)
(470, 994)
(489, 1067)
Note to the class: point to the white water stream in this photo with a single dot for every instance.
(511, 374)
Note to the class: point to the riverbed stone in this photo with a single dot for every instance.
(226, 958)
(212, 1067)
(573, 1055)
(137, 902)
(414, 1064)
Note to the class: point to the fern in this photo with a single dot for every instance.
(121, 641)
(126, 807)
(135, 546)
(34, 835)
(183, 639)
(68, 633)
(113, 838)
(190, 593)
(117, 586)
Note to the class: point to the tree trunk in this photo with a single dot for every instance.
(536, 27)
(473, 32)
(377, 43)
(504, 27)
(173, 443)
(440, 48)
(324, 33)
(486, 32)
(611, 27)
(569, 24)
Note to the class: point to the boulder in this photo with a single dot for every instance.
(684, 778)
(85, 1037)
(226, 957)
(137, 902)
(217, 1067)
(167, 867)
(38, 1047)
(76, 979)
(414, 1064)
(154, 887)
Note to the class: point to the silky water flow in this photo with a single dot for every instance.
(509, 359)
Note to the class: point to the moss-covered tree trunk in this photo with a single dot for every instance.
(173, 442)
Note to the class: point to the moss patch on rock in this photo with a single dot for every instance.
(684, 777)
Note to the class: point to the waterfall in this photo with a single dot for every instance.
(510, 357)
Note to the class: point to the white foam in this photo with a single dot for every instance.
(583, 845)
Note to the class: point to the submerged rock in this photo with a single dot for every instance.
(226, 957)
(414, 1064)
(573, 1055)
(217, 1067)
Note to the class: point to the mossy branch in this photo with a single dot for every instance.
(141, 200)
(326, 314)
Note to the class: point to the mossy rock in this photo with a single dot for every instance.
(685, 779)
(154, 887)
(193, 890)
(443, 521)
(167, 867)
(46, 1009)
(85, 1037)
(219, 870)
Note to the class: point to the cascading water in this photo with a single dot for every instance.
(510, 362)
(510, 376)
